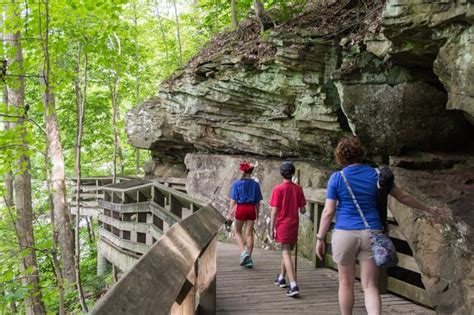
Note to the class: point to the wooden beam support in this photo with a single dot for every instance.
(175, 206)
(206, 279)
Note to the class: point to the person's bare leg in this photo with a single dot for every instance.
(238, 234)
(288, 264)
(369, 276)
(346, 288)
(249, 234)
(283, 270)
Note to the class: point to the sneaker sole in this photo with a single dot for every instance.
(283, 285)
(293, 294)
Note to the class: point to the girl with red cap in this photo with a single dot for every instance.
(245, 196)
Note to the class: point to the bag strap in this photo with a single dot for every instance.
(367, 226)
(378, 176)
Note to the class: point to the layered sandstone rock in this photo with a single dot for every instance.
(308, 82)
(443, 249)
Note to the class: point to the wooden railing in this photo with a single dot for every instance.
(404, 280)
(165, 242)
(134, 214)
(176, 275)
(92, 191)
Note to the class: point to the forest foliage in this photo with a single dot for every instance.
(119, 51)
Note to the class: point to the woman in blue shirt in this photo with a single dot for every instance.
(350, 239)
(245, 197)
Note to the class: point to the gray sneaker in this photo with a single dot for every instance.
(244, 257)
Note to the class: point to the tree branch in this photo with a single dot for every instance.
(20, 145)
(23, 117)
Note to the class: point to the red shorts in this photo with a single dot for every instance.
(245, 212)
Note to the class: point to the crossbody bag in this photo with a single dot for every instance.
(383, 249)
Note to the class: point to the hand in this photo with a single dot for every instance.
(229, 216)
(320, 249)
(302, 210)
(440, 212)
(272, 234)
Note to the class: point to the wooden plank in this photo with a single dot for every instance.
(126, 244)
(128, 185)
(409, 291)
(251, 291)
(163, 214)
(395, 231)
(182, 197)
(154, 231)
(206, 280)
(125, 225)
(125, 208)
(407, 262)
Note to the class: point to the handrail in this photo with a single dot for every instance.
(179, 266)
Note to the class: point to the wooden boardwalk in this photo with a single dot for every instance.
(251, 291)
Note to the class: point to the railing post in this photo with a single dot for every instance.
(186, 302)
(318, 211)
(175, 206)
(206, 279)
(101, 263)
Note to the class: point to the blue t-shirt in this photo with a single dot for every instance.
(246, 191)
(363, 181)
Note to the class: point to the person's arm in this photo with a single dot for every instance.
(232, 205)
(302, 201)
(326, 218)
(259, 198)
(410, 201)
(272, 222)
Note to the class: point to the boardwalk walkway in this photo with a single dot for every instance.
(251, 291)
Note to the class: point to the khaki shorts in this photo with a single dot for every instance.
(287, 246)
(349, 245)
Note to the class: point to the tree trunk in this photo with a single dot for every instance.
(163, 36)
(58, 178)
(263, 18)
(22, 188)
(114, 122)
(80, 110)
(8, 175)
(137, 88)
(235, 21)
(90, 230)
(178, 34)
(54, 235)
(9, 196)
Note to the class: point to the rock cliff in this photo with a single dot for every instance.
(383, 72)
